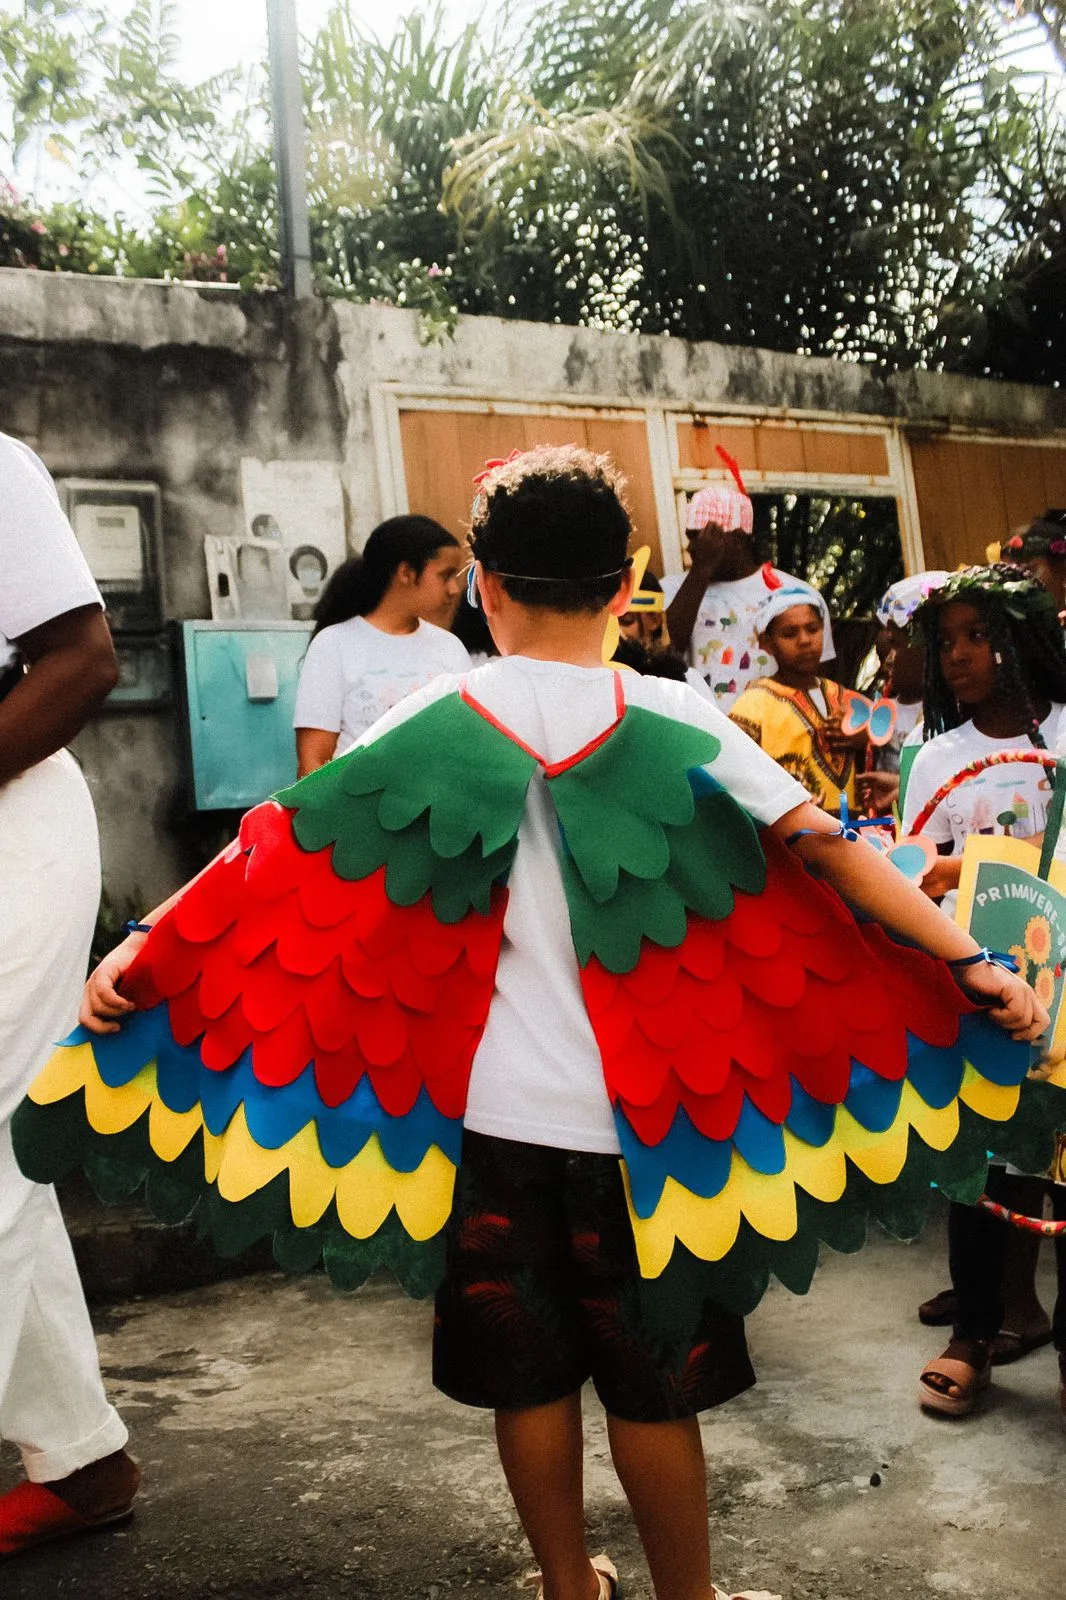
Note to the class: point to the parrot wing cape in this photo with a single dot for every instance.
(309, 1010)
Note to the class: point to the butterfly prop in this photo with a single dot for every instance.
(875, 718)
(912, 855)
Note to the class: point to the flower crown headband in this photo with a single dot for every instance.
(1021, 597)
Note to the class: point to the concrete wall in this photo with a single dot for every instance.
(174, 383)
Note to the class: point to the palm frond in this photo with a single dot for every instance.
(596, 148)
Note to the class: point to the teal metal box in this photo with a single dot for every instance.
(240, 684)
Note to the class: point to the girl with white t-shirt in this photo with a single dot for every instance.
(381, 632)
(995, 680)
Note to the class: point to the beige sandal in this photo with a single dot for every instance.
(958, 1372)
(745, 1594)
(604, 1569)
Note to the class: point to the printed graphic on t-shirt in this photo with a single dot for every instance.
(1010, 800)
(368, 696)
(726, 651)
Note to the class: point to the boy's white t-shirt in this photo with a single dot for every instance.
(537, 1075)
(725, 647)
(354, 673)
(43, 573)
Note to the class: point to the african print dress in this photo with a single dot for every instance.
(789, 725)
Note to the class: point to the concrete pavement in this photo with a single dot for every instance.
(292, 1445)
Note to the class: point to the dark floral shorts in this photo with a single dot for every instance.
(542, 1292)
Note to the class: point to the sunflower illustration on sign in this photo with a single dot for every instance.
(1038, 939)
(1044, 986)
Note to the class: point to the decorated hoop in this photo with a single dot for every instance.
(1037, 1225)
(1000, 758)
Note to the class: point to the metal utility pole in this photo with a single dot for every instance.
(290, 150)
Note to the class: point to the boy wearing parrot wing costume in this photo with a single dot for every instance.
(530, 998)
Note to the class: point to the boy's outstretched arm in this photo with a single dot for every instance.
(870, 883)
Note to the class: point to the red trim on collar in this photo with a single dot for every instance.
(551, 769)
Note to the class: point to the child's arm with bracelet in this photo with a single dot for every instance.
(871, 884)
(102, 1006)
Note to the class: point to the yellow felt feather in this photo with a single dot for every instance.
(708, 1227)
(366, 1190)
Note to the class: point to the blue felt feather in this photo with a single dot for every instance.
(700, 1164)
(274, 1114)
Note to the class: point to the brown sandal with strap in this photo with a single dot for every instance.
(964, 1371)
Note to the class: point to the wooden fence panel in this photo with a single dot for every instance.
(973, 492)
(767, 446)
(442, 450)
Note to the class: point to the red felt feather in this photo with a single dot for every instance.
(786, 987)
(270, 949)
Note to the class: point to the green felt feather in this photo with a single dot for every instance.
(644, 845)
(407, 803)
(615, 804)
(57, 1139)
(900, 1208)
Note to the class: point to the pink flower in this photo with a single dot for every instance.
(1015, 543)
(38, 227)
(434, 271)
(64, 249)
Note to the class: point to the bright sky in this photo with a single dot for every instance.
(223, 33)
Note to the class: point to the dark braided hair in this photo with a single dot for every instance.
(1026, 639)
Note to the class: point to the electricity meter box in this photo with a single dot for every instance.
(240, 693)
(119, 528)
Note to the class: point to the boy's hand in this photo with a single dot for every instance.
(942, 877)
(102, 1006)
(835, 739)
(878, 791)
(1015, 1007)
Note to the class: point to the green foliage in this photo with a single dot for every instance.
(872, 179)
(848, 548)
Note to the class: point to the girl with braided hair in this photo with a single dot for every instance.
(995, 680)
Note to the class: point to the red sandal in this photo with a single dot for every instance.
(30, 1514)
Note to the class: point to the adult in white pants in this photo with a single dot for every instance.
(56, 665)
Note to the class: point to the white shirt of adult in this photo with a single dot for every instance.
(725, 648)
(43, 573)
(537, 1076)
(354, 673)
